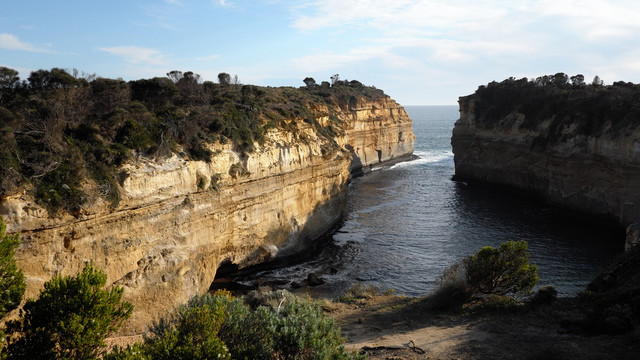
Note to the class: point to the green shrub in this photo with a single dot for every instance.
(302, 331)
(219, 325)
(248, 334)
(502, 271)
(70, 319)
(491, 271)
(190, 333)
(452, 290)
(60, 189)
(12, 282)
(214, 185)
(358, 292)
(133, 352)
(202, 182)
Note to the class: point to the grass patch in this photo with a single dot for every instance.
(358, 293)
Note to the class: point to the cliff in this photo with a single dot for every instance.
(576, 145)
(177, 219)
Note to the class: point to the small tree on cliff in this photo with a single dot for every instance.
(501, 271)
(309, 81)
(224, 78)
(70, 319)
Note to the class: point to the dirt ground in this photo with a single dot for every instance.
(394, 328)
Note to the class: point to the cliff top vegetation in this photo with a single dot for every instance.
(58, 128)
(593, 108)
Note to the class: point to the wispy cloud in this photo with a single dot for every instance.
(222, 2)
(483, 39)
(137, 55)
(459, 31)
(165, 14)
(319, 14)
(595, 20)
(208, 57)
(11, 42)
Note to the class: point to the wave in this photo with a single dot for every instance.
(426, 157)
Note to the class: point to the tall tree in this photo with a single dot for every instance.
(577, 80)
(8, 77)
(597, 81)
(175, 75)
(224, 78)
(335, 78)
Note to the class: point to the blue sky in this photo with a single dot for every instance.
(426, 52)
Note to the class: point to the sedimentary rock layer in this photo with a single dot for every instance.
(595, 172)
(178, 220)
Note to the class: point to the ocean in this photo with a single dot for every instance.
(405, 223)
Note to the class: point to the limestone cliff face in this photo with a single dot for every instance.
(179, 220)
(596, 172)
(378, 132)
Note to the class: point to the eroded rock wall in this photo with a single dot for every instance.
(178, 220)
(596, 173)
(378, 132)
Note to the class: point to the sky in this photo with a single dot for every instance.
(426, 52)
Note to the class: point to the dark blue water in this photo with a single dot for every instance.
(407, 222)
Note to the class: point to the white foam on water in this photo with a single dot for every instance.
(425, 157)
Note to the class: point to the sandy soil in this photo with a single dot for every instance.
(392, 327)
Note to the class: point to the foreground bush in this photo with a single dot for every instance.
(220, 326)
(301, 331)
(190, 333)
(70, 319)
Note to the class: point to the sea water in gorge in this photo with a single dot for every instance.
(406, 222)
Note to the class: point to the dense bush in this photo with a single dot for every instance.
(553, 103)
(133, 352)
(192, 332)
(57, 130)
(220, 326)
(70, 319)
(502, 271)
(491, 271)
(302, 331)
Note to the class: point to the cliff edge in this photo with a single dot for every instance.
(572, 143)
(264, 178)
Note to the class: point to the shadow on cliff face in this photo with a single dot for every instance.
(294, 245)
(356, 163)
